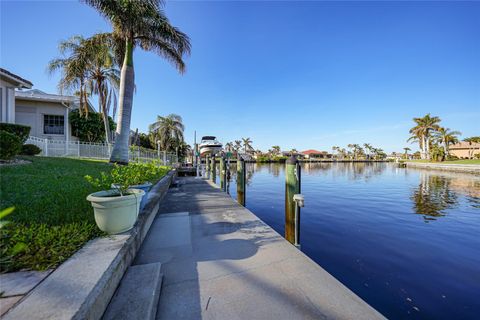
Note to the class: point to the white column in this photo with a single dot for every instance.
(10, 99)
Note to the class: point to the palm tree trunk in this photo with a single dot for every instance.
(427, 142)
(423, 148)
(125, 103)
(102, 102)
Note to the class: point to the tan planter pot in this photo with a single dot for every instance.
(116, 214)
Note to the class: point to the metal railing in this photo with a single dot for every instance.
(77, 149)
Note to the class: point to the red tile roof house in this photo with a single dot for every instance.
(315, 154)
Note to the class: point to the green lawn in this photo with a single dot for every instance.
(466, 161)
(51, 213)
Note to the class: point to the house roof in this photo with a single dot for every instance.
(38, 95)
(312, 151)
(21, 82)
(465, 145)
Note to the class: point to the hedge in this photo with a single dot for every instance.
(30, 150)
(19, 130)
(10, 145)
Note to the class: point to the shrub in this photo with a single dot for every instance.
(477, 156)
(16, 129)
(91, 128)
(10, 145)
(30, 150)
(451, 157)
(129, 175)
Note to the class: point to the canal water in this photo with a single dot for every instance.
(407, 241)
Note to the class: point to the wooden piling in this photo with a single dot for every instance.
(207, 166)
(292, 187)
(213, 169)
(241, 177)
(223, 174)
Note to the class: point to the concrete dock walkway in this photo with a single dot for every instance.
(219, 261)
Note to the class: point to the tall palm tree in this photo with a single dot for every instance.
(247, 144)
(103, 75)
(446, 137)
(168, 131)
(422, 133)
(139, 23)
(73, 66)
(368, 148)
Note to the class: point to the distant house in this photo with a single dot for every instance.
(46, 114)
(394, 156)
(8, 83)
(465, 150)
(315, 154)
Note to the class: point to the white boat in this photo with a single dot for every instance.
(209, 146)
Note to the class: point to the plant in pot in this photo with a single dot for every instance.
(141, 175)
(116, 210)
(147, 174)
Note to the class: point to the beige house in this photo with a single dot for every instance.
(46, 114)
(465, 150)
(8, 83)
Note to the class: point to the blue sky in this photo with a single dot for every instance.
(296, 74)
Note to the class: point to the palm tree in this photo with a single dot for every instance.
(237, 146)
(168, 131)
(368, 148)
(421, 133)
(276, 150)
(247, 144)
(89, 66)
(406, 149)
(351, 147)
(139, 23)
(73, 66)
(228, 147)
(446, 137)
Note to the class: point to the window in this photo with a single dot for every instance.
(53, 124)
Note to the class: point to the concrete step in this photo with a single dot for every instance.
(137, 295)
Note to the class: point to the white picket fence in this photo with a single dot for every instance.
(76, 149)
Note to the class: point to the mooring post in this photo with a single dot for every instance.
(223, 174)
(213, 168)
(207, 166)
(292, 187)
(241, 181)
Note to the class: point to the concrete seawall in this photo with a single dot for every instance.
(466, 168)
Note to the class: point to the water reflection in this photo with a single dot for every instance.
(433, 196)
(438, 193)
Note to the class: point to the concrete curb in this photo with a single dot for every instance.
(82, 286)
(475, 169)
